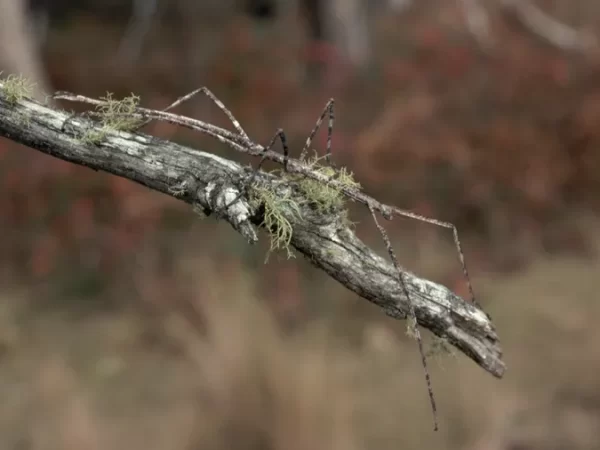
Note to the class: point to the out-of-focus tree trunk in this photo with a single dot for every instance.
(18, 49)
(342, 23)
(347, 23)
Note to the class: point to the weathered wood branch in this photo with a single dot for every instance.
(210, 182)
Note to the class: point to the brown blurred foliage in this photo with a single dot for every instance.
(239, 380)
(502, 143)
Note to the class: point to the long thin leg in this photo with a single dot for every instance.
(328, 109)
(216, 101)
(413, 325)
(286, 152)
(278, 134)
(461, 255)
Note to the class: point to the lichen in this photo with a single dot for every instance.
(304, 192)
(411, 327)
(93, 136)
(119, 115)
(15, 88)
(114, 115)
(276, 206)
(439, 348)
(321, 196)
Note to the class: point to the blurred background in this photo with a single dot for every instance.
(127, 322)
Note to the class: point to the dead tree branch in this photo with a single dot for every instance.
(211, 183)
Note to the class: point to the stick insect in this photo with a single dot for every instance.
(240, 141)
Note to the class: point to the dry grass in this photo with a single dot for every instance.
(95, 382)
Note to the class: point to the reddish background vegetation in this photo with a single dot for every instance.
(502, 142)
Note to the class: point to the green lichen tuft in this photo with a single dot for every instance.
(411, 327)
(119, 115)
(276, 207)
(439, 348)
(325, 197)
(93, 136)
(114, 115)
(15, 88)
(316, 194)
